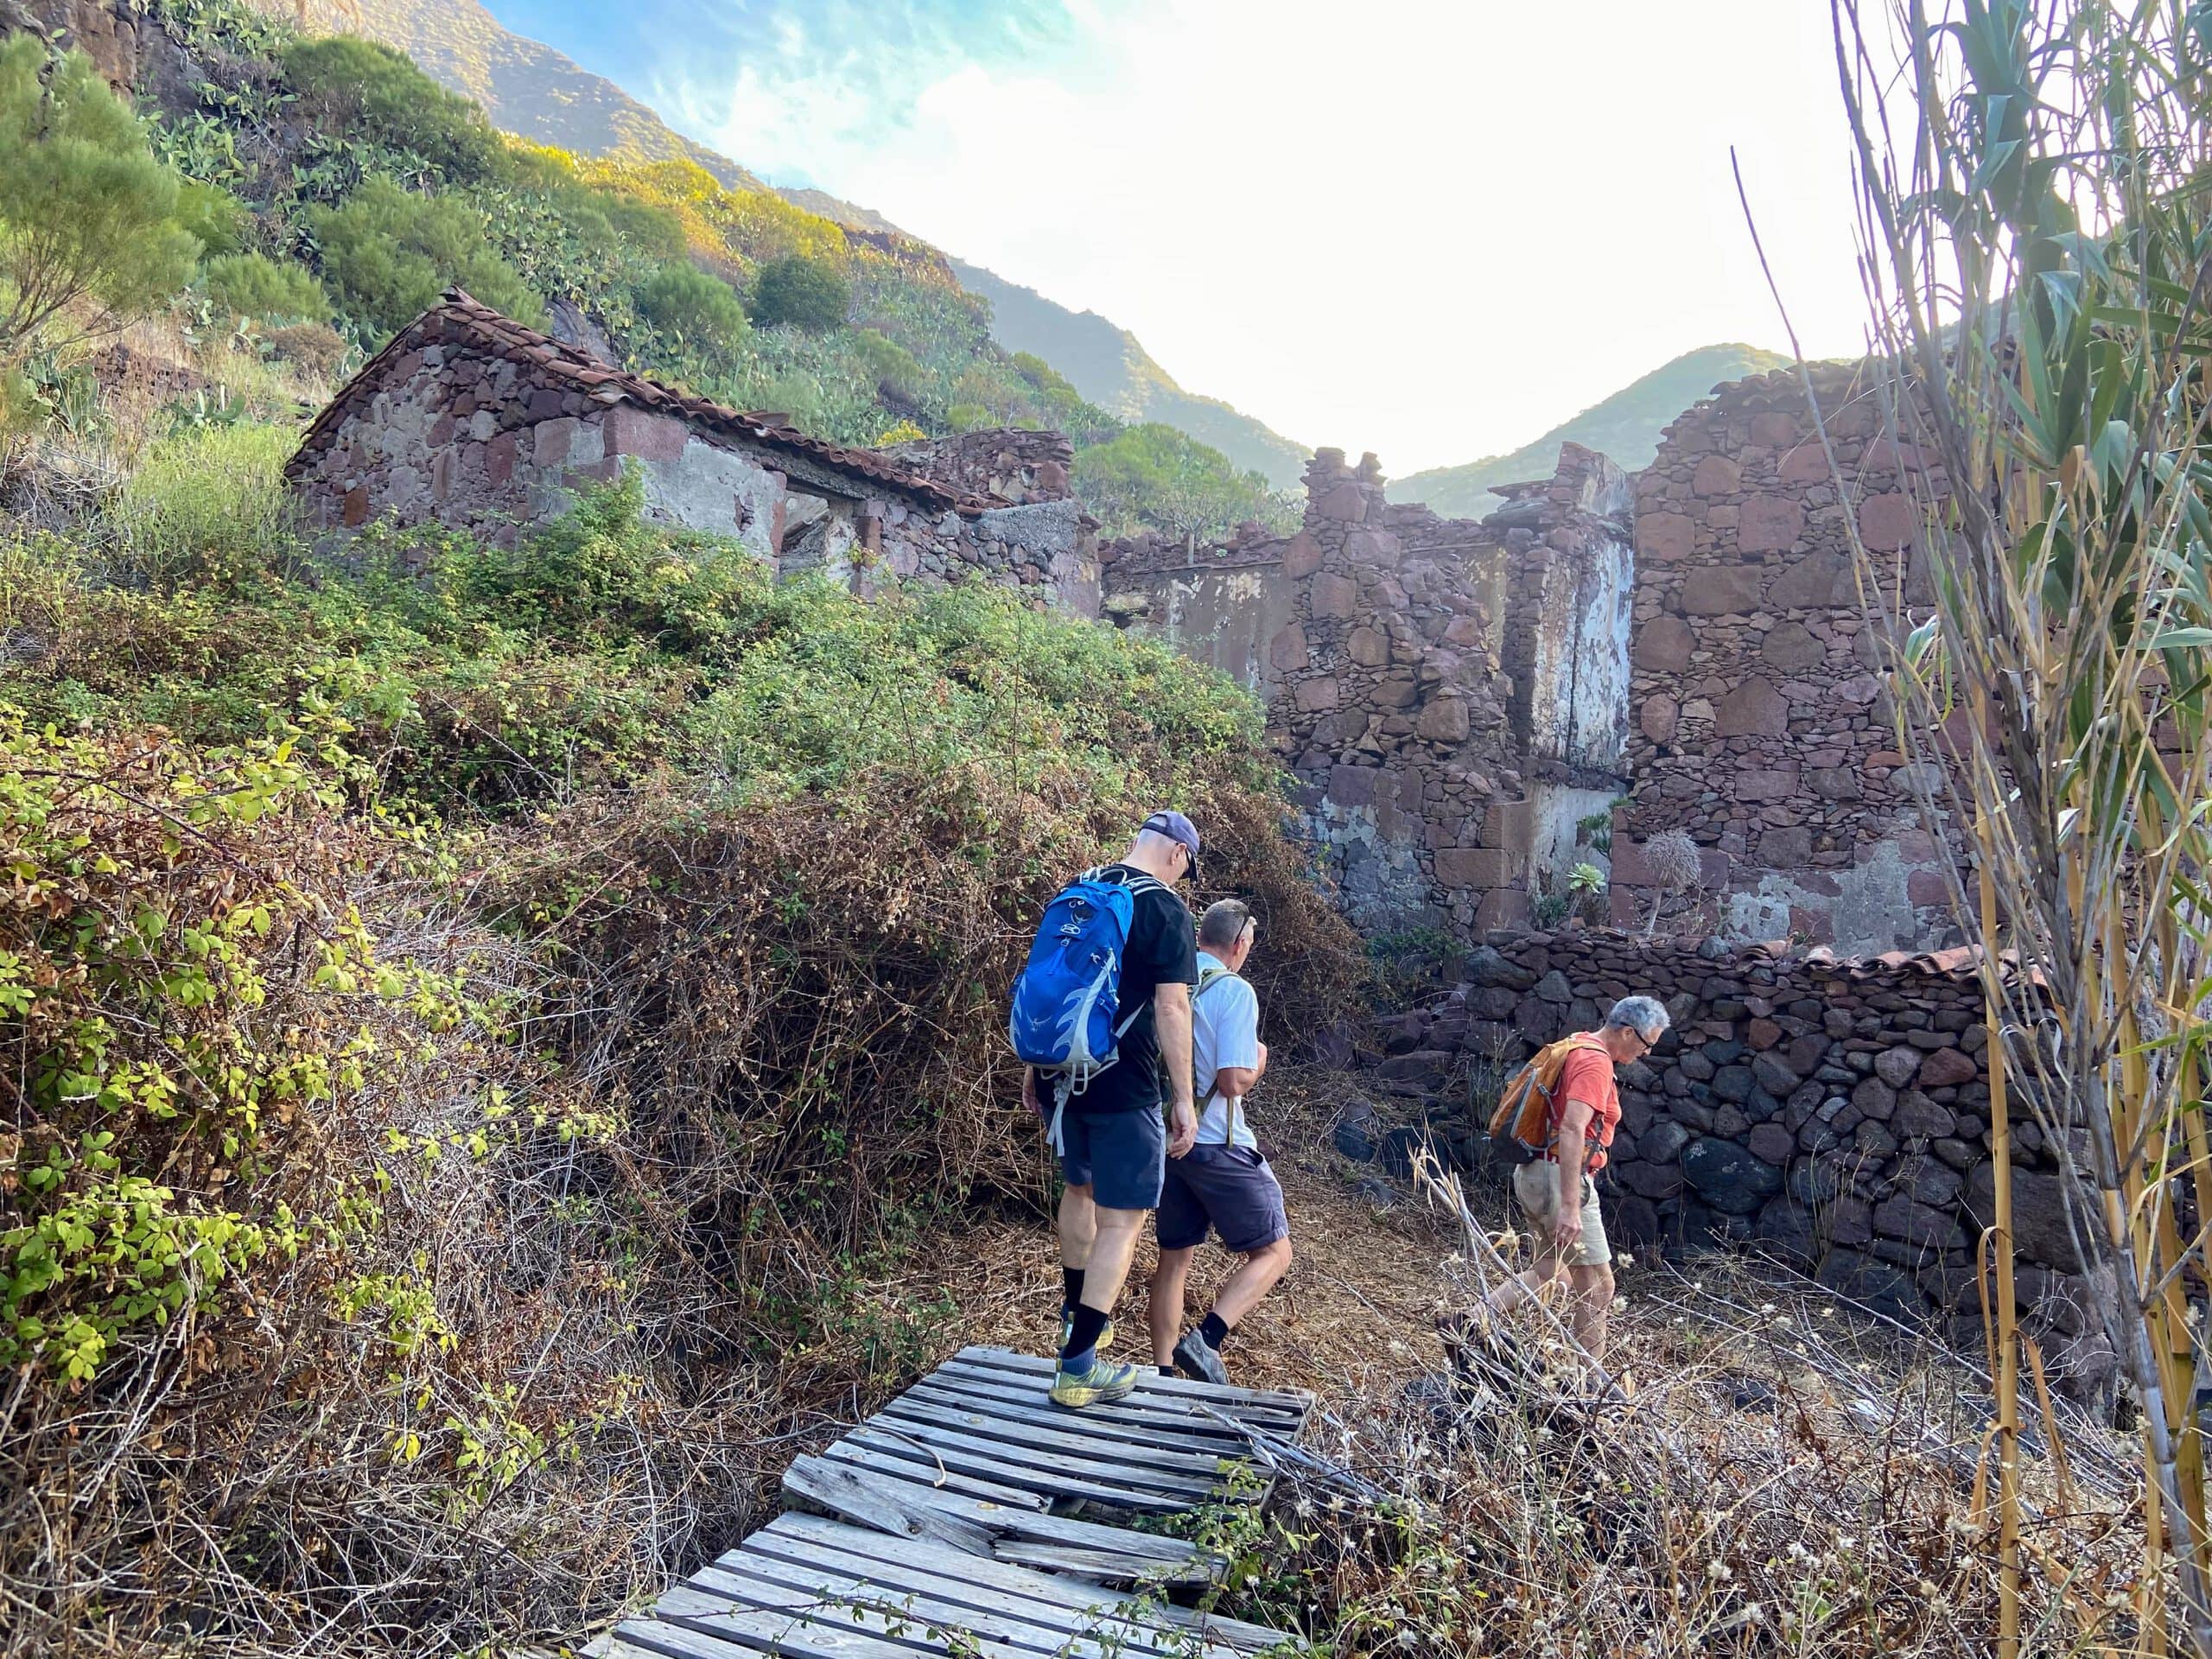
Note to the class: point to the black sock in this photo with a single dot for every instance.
(1090, 1323)
(1070, 1287)
(1212, 1331)
(1169, 1370)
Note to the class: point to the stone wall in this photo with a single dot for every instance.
(1833, 1111)
(1760, 726)
(1221, 605)
(1439, 686)
(1003, 464)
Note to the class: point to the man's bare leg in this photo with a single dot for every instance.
(1593, 1295)
(1523, 1287)
(1165, 1313)
(1113, 1246)
(1078, 1227)
(1259, 1274)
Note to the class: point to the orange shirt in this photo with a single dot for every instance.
(1588, 1077)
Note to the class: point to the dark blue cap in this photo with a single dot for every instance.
(1176, 827)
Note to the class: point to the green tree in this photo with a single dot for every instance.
(388, 254)
(90, 235)
(701, 310)
(1154, 477)
(357, 88)
(801, 293)
(254, 285)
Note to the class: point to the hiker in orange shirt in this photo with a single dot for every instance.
(1557, 1191)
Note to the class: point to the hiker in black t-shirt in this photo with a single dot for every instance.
(1113, 1144)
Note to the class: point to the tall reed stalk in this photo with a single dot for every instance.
(2033, 184)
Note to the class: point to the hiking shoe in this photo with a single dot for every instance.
(1067, 1330)
(1199, 1361)
(1104, 1381)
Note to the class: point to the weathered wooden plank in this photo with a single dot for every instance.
(1069, 1434)
(909, 1463)
(871, 1501)
(1033, 1462)
(1266, 1403)
(1180, 1430)
(1135, 1554)
(1177, 1416)
(993, 1465)
(830, 1536)
(916, 1620)
(909, 1563)
(763, 1633)
(1162, 1434)
(884, 1602)
(1295, 1402)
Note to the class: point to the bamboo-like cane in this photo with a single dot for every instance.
(2006, 1368)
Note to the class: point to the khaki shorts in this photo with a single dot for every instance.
(1536, 1186)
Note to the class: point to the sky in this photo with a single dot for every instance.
(1429, 228)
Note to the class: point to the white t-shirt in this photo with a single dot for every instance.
(1224, 1031)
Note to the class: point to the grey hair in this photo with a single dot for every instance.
(1640, 1014)
(1224, 922)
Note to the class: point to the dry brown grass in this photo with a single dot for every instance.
(1788, 1475)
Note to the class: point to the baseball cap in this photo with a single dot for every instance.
(1176, 827)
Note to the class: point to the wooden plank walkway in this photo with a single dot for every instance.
(971, 1516)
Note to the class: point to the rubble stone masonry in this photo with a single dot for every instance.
(1759, 723)
(1833, 1111)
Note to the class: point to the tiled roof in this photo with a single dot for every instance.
(502, 336)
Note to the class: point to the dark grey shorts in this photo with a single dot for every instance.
(1229, 1189)
(1118, 1155)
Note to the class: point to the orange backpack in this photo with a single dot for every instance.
(1521, 1127)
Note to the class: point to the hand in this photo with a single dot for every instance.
(1029, 1091)
(1182, 1128)
(1566, 1231)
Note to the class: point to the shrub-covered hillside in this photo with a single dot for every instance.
(640, 922)
(334, 185)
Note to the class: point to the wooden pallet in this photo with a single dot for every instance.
(955, 1520)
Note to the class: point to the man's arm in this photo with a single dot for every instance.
(1171, 1018)
(1570, 1147)
(1235, 1081)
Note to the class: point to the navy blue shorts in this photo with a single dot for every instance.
(1118, 1155)
(1229, 1189)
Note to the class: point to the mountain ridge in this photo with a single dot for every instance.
(538, 93)
(1623, 427)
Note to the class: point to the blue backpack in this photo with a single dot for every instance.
(1066, 1018)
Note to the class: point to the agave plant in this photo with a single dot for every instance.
(2038, 249)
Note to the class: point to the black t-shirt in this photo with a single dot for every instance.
(1163, 947)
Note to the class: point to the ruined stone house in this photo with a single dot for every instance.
(1470, 704)
(471, 420)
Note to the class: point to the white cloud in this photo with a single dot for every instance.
(1430, 230)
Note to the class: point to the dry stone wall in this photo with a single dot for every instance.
(1760, 726)
(1005, 464)
(1836, 1112)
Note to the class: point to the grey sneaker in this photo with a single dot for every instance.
(1196, 1360)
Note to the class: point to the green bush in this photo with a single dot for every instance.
(892, 368)
(88, 218)
(357, 88)
(209, 505)
(216, 219)
(254, 285)
(699, 310)
(798, 292)
(388, 254)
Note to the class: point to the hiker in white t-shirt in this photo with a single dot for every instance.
(1222, 1184)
